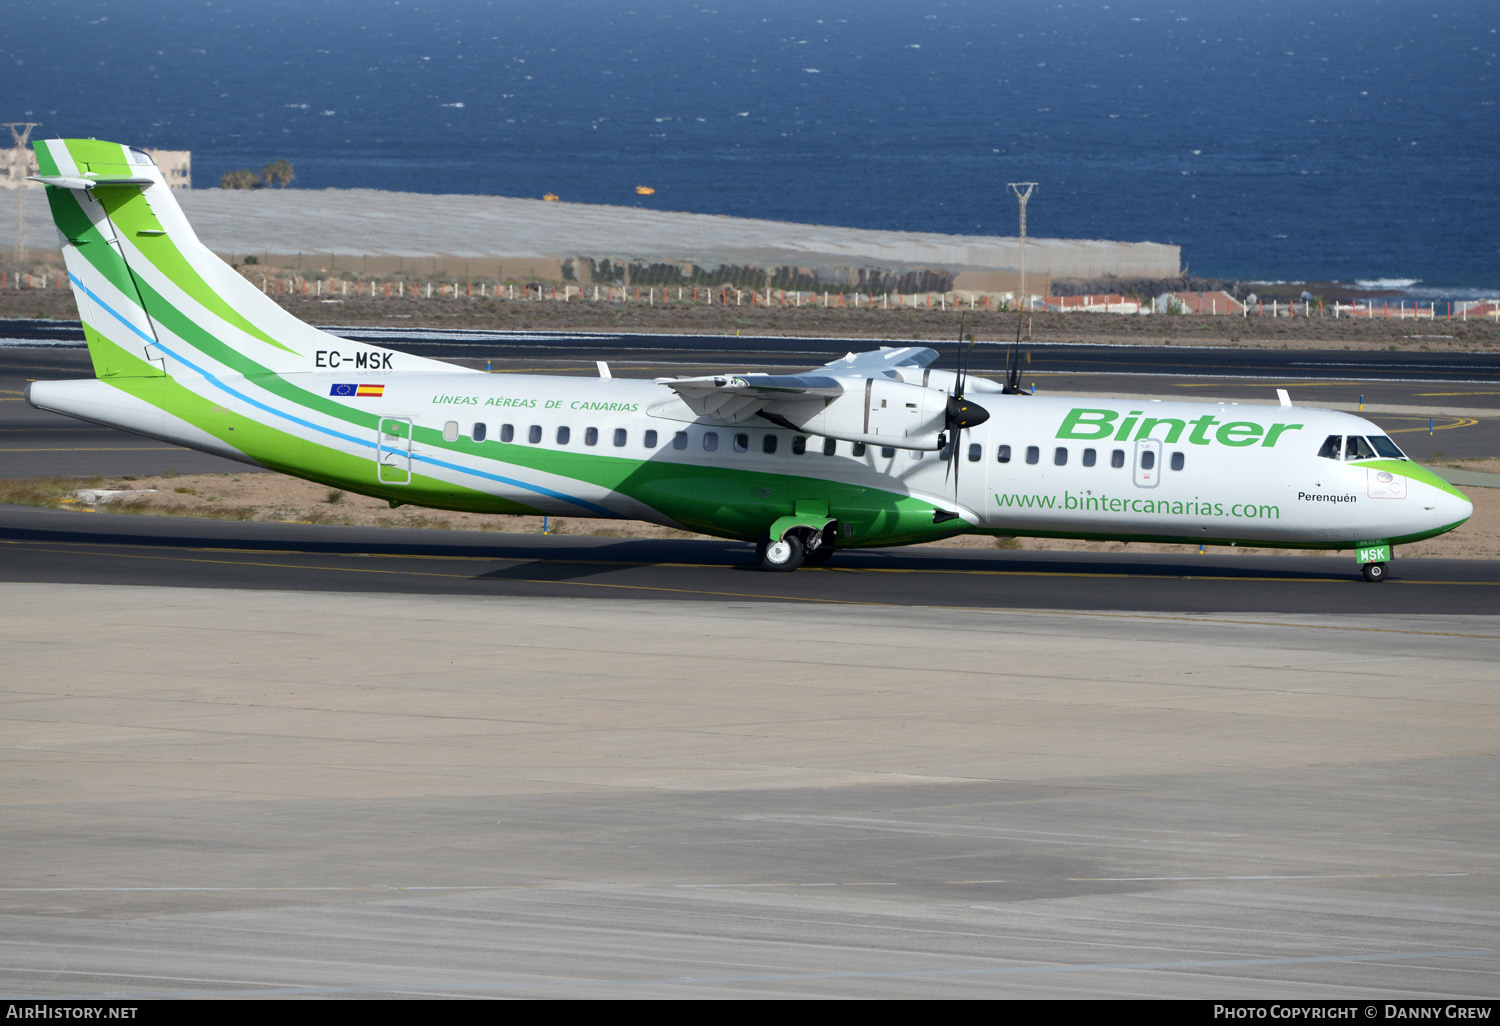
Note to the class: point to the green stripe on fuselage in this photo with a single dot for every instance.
(1415, 471)
(131, 212)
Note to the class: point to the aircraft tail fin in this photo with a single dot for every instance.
(153, 299)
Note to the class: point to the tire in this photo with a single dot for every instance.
(781, 556)
(1374, 572)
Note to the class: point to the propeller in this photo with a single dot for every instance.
(961, 413)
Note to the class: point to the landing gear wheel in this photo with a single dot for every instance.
(784, 554)
(1374, 572)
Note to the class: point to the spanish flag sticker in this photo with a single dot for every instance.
(358, 391)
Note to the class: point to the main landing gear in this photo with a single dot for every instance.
(1374, 572)
(784, 554)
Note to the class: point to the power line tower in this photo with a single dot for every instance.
(1023, 193)
(20, 132)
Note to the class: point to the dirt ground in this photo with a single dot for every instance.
(272, 497)
(832, 322)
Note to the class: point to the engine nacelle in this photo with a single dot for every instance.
(883, 412)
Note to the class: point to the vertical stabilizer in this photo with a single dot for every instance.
(154, 300)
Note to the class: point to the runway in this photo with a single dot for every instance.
(61, 547)
(287, 760)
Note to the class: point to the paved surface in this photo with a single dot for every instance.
(63, 547)
(264, 759)
(275, 793)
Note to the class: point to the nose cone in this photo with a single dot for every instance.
(1454, 507)
(1444, 505)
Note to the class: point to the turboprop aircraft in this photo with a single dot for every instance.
(871, 449)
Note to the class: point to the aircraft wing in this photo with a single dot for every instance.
(733, 398)
(879, 362)
(790, 399)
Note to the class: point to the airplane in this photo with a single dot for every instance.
(872, 449)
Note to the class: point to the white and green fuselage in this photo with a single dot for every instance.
(857, 453)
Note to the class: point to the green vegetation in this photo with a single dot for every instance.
(278, 173)
(750, 277)
(242, 178)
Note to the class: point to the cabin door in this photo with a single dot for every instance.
(393, 451)
(1148, 463)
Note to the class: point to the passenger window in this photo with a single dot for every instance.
(1060, 456)
(507, 432)
(1178, 461)
(1117, 458)
(799, 445)
(563, 434)
(1090, 457)
(534, 434)
(1033, 455)
(1002, 455)
(620, 438)
(1148, 459)
(768, 444)
(975, 452)
(1332, 446)
(450, 431)
(741, 442)
(857, 449)
(680, 440)
(649, 439)
(590, 436)
(710, 441)
(830, 446)
(1356, 448)
(479, 432)
(887, 451)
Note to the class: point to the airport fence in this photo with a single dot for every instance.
(1217, 304)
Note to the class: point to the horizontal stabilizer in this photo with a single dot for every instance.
(91, 182)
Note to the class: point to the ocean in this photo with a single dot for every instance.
(1273, 140)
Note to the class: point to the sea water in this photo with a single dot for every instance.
(1270, 139)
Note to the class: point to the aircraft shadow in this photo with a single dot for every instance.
(567, 557)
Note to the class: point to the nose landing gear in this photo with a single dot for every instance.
(1372, 557)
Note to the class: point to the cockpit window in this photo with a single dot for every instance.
(1332, 446)
(1386, 448)
(1356, 448)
